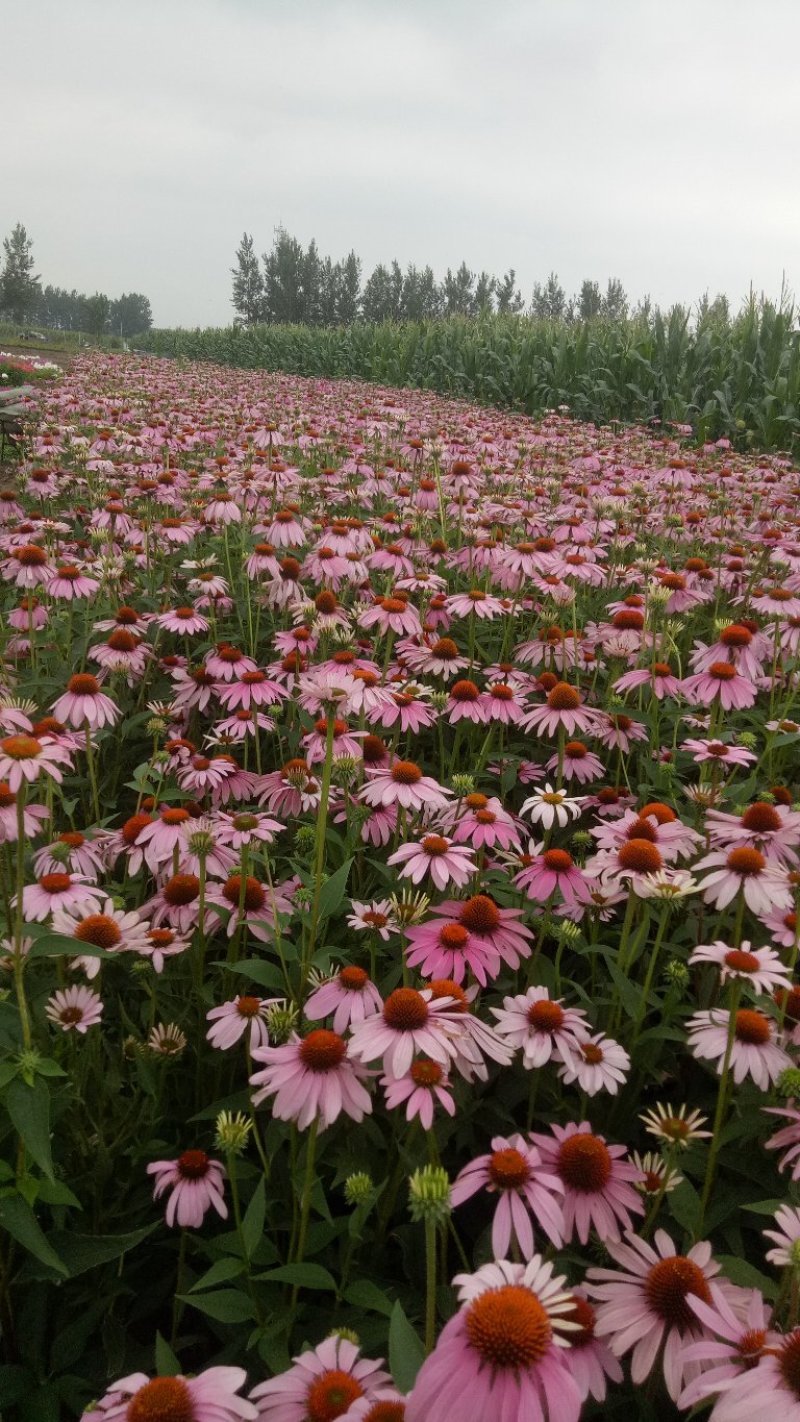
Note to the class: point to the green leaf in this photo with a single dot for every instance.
(362, 1293)
(29, 1109)
(406, 1352)
(167, 1365)
(333, 890)
(55, 1192)
(85, 1251)
(17, 1217)
(764, 1207)
(740, 1272)
(253, 1222)
(258, 971)
(56, 945)
(226, 1305)
(630, 994)
(15, 1382)
(305, 1276)
(221, 1271)
(684, 1206)
(8, 1070)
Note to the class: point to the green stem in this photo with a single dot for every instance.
(722, 1100)
(92, 773)
(430, 1284)
(305, 1203)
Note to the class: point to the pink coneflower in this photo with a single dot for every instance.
(503, 703)
(465, 703)
(769, 1388)
(201, 774)
(161, 838)
(597, 1180)
(375, 917)
(252, 688)
(772, 829)
(755, 1052)
(736, 644)
(70, 582)
(542, 1027)
(787, 1253)
(477, 935)
(578, 763)
(27, 566)
(409, 1022)
(554, 872)
(445, 862)
(476, 603)
(405, 785)
(473, 1039)
(25, 757)
(350, 996)
(786, 1136)
(246, 827)
(516, 1172)
(249, 903)
(720, 682)
(210, 1396)
(659, 677)
(33, 821)
(404, 708)
(765, 886)
(161, 944)
(178, 901)
(563, 710)
(618, 731)
(74, 1009)
(424, 1086)
(185, 621)
(290, 790)
(501, 1356)
(195, 1182)
(315, 1077)
(549, 807)
(718, 753)
(194, 689)
(392, 614)
(441, 659)
(480, 821)
(598, 1064)
(647, 1305)
(232, 1020)
(385, 1404)
(58, 890)
(321, 1384)
(591, 1362)
(345, 741)
(761, 967)
(100, 926)
(84, 704)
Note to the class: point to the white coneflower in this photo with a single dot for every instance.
(673, 1125)
(166, 1040)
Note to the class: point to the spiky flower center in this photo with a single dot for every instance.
(83, 684)
(426, 1073)
(480, 914)
(55, 883)
(161, 1400)
(133, 827)
(405, 1010)
(722, 671)
(558, 861)
(464, 691)
(582, 1313)
(591, 1053)
(175, 817)
(249, 892)
(752, 1027)
(100, 930)
(248, 1006)
(668, 1286)
(509, 1328)
(741, 962)
(508, 1169)
(563, 697)
(584, 1163)
(453, 936)
(21, 747)
(181, 889)
(386, 1412)
(322, 1050)
(445, 650)
(746, 862)
(735, 636)
(405, 772)
(193, 1164)
(331, 1395)
(640, 856)
(374, 918)
(545, 1016)
(435, 844)
(761, 818)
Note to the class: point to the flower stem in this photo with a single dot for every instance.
(722, 1099)
(430, 1284)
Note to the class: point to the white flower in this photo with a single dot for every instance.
(550, 807)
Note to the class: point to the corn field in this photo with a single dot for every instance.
(728, 378)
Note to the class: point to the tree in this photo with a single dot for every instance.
(549, 301)
(95, 313)
(590, 301)
(311, 287)
(248, 283)
(19, 288)
(376, 302)
(348, 303)
(283, 280)
(483, 299)
(130, 314)
(458, 291)
(509, 299)
(615, 301)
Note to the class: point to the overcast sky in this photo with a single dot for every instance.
(653, 140)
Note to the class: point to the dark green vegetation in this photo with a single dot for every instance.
(25, 302)
(733, 377)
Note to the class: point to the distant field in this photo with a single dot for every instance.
(733, 378)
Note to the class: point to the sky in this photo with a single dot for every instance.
(650, 140)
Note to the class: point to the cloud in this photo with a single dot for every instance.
(630, 138)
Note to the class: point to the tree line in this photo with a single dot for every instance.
(24, 301)
(294, 285)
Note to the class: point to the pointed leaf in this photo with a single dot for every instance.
(406, 1351)
(29, 1109)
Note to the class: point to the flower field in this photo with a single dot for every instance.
(400, 868)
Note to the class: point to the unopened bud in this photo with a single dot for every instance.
(429, 1194)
